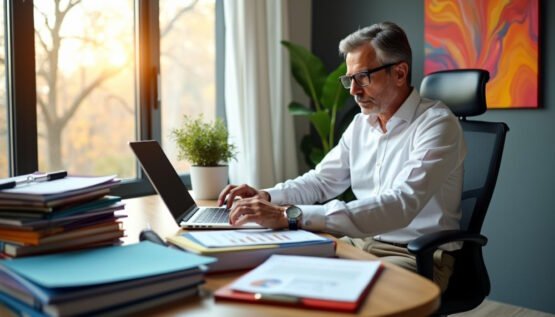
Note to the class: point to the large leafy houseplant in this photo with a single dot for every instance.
(327, 97)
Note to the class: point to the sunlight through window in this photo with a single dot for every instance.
(85, 86)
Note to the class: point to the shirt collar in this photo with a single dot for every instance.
(405, 113)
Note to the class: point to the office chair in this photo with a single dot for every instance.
(464, 92)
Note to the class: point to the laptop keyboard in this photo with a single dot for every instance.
(213, 215)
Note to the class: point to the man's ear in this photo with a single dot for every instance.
(401, 71)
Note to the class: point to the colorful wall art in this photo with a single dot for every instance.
(501, 36)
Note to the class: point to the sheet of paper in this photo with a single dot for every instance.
(60, 185)
(310, 277)
(233, 238)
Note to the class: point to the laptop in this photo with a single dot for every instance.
(175, 194)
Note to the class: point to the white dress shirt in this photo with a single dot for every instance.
(407, 181)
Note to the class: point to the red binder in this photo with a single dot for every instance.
(227, 294)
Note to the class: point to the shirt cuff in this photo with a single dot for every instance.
(314, 217)
(276, 196)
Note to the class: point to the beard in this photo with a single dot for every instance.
(368, 106)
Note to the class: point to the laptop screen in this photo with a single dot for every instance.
(163, 177)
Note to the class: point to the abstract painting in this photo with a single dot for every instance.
(501, 36)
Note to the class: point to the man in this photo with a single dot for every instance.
(402, 156)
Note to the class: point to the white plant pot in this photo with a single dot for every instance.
(208, 181)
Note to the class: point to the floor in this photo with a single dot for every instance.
(496, 309)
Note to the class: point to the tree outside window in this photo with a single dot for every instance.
(85, 73)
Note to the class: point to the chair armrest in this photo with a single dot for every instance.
(424, 247)
(430, 242)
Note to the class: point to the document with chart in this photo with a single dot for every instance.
(306, 282)
(311, 277)
(235, 238)
(244, 249)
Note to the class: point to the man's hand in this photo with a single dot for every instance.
(229, 193)
(258, 210)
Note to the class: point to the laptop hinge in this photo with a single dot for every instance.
(188, 214)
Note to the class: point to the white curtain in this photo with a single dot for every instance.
(257, 92)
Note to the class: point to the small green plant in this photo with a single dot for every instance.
(328, 97)
(202, 143)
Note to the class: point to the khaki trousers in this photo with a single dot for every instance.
(399, 255)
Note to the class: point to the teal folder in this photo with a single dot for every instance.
(48, 277)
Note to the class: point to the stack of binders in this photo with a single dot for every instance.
(56, 215)
(109, 281)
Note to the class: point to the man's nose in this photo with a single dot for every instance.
(355, 88)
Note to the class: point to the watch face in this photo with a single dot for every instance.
(293, 212)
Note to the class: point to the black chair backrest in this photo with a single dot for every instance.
(485, 142)
(464, 92)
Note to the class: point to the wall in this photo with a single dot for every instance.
(520, 223)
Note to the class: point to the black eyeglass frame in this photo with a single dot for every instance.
(366, 72)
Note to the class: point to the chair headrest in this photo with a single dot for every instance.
(462, 90)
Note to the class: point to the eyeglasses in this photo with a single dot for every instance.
(362, 79)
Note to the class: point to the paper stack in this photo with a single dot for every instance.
(116, 280)
(245, 249)
(59, 215)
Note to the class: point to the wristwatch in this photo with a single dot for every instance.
(294, 215)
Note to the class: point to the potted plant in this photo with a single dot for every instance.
(327, 96)
(206, 146)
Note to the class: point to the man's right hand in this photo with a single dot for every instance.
(229, 193)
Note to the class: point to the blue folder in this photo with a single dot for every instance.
(48, 277)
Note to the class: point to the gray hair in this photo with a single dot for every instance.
(387, 38)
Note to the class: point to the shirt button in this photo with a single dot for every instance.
(378, 164)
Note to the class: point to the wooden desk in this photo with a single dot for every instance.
(397, 292)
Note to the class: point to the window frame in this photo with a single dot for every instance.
(22, 95)
(21, 87)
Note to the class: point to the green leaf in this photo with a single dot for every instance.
(308, 70)
(316, 156)
(306, 147)
(298, 109)
(334, 94)
(321, 121)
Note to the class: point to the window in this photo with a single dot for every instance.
(4, 168)
(187, 57)
(86, 81)
(85, 86)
